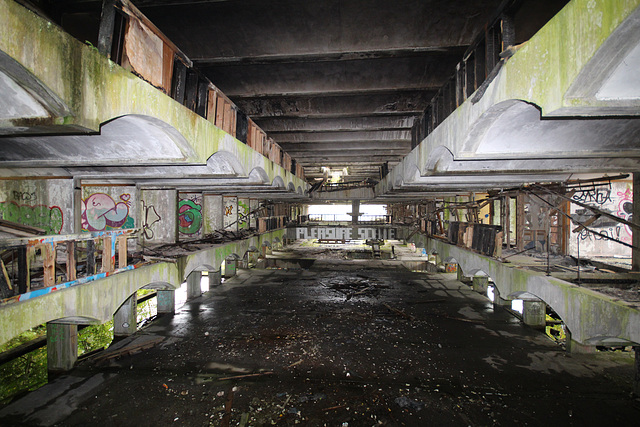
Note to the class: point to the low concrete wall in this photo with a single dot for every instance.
(95, 302)
(592, 318)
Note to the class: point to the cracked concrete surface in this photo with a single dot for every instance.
(344, 343)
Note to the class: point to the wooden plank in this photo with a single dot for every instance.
(49, 264)
(220, 112)
(226, 121)
(107, 24)
(23, 270)
(211, 105)
(234, 121)
(167, 68)
(132, 11)
(25, 230)
(122, 251)
(5, 275)
(71, 261)
(91, 257)
(179, 80)
(191, 90)
(202, 98)
(107, 255)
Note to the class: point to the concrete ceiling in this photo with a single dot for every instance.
(336, 83)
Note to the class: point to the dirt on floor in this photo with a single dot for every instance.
(339, 344)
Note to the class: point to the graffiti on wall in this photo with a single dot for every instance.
(49, 218)
(101, 212)
(345, 233)
(190, 215)
(617, 200)
(150, 218)
(243, 214)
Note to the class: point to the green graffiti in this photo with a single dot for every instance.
(243, 214)
(49, 218)
(189, 216)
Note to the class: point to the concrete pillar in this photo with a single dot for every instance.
(481, 284)
(635, 236)
(125, 319)
(215, 278)
(253, 207)
(534, 314)
(230, 268)
(62, 347)
(159, 216)
(575, 347)
(355, 211)
(193, 285)
(166, 301)
(230, 213)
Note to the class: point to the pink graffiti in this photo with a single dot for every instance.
(625, 209)
(99, 210)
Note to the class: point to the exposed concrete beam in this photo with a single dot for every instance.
(323, 56)
(255, 28)
(341, 145)
(387, 104)
(428, 72)
(348, 153)
(275, 124)
(401, 135)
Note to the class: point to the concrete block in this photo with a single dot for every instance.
(481, 284)
(534, 314)
(166, 301)
(62, 347)
(125, 318)
(194, 290)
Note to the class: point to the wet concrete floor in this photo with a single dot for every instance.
(341, 344)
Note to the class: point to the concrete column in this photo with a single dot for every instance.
(193, 285)
(575, 347)
(125, 319)
(215, 278)
(355, 211)
(230, 213)
(481, 284)
(230, 268)
(213, 213)
(635, 236)
(62, 347)
(253, 219)
(534, 314)
(166, 301)
(159, 215)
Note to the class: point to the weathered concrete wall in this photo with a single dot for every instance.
(109, 207)
(539, 74)
(42, 203)
(213, 208)
(230, 213)
(618, 201)
(95, 302)
(159, 220)
(592, 318)
(94, 90)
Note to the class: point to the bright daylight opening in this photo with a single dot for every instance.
(339, 212)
